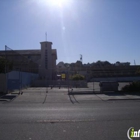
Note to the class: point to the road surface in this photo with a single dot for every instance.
(50, 116)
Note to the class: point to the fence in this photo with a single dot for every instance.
(19, 69)
(68, 79)
(2, 82)
(124, 75)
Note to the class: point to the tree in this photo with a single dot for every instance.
(107, 63)
(118, 62)
(4, 63)
(138, 71)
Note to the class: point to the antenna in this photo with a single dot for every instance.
(81, 57)
(134, 62)
(46, 36)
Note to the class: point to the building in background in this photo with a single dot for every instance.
(122, 63)
(47, 67)
(42, 61)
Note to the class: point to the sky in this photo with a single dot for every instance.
(106, 30)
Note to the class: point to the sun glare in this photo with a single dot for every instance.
(59, 3)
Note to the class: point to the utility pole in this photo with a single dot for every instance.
(134, 62)
(81, 58)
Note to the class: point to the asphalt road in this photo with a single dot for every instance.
(100, 120)
(55, 115)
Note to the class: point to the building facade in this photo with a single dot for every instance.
(41, 61)
(47, 67)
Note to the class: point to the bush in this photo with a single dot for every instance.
(133, 87)
(77, 77)
(3, 61)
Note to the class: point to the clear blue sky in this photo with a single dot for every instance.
(97, 29)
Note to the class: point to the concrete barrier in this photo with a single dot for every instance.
(108, 86)
(118, 79)
(51, 83)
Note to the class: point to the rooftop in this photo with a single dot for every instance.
(26, 52)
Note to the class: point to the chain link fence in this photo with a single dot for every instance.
(19, 69)
(84, 80)
(71, 81)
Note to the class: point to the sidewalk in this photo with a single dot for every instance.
(55, 95)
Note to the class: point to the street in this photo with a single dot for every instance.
(37, 115)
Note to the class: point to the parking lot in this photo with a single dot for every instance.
(43, 95)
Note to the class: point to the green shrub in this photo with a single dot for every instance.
(133, 87)
(77, 77)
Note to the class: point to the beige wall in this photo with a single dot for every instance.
(46, 53)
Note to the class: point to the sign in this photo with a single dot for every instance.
(131, 133)
(63, 76)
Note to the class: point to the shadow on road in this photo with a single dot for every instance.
(123, 99)
(113, 94)
(82, 92)
(108, 93)
(71, 99)
(8, 97)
